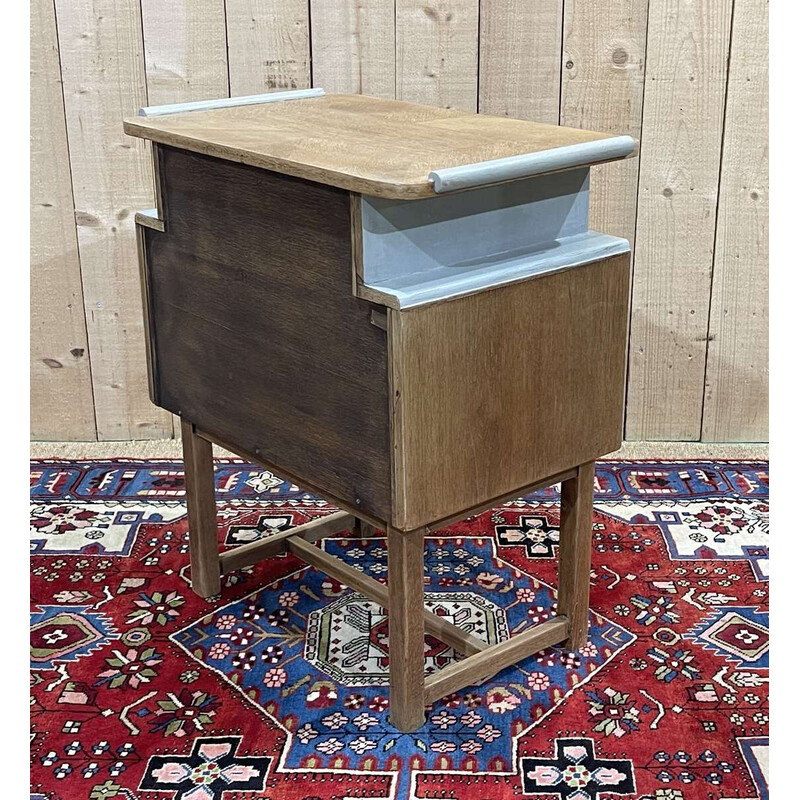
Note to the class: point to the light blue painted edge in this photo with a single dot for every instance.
(570, 252)
(230, 102)
(512, 168)
(452, 231)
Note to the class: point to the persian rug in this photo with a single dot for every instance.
(279, 689)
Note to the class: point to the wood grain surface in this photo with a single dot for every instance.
(201, 506)
(736, 404)
(602, 88)
(101, 47)
(258, 337)
(268, 45)
(437, 52)
(275, 544)
(185, 48)
(520, 59)
(385, 148)
(353, 42)
(494, 391)
(684, 101)
(575, 553)
(476, 669)
(62, 405)
(406, 631)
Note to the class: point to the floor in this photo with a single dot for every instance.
(279, 687)
(171, 448)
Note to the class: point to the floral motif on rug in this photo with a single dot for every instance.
(279, 688)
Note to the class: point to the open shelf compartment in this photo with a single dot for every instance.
(417, 252)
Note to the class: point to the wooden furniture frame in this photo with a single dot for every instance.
(415, 338)
(410, 691)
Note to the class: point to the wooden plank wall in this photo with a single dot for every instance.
(688, 78)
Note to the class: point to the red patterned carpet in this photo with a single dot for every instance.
(279, 689)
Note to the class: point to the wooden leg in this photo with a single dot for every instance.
(406, 634)
(203, 544)
(363, 530)
(575, 553)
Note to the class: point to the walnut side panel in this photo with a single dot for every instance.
(494, 391)
(258, 339)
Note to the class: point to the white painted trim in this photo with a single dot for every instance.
(435, 286)
(512, 168)
(230, 102)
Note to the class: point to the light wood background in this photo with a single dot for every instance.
(687, 77)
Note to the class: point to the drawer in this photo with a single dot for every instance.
(494, 391)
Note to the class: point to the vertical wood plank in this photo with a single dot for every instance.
(103, 73)
(61, 382)
(186, 57)
(185, 50)
(198, 463)
(602, 89)
(687, 52)
(268, 45)
(575, 553)
(353, 44)
(406, 632)
(736, 399)
(520, 59)
(674, 372)
(437, 52)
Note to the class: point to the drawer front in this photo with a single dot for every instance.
(255, 335)
(497, 390)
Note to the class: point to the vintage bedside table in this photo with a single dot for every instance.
(400, 308)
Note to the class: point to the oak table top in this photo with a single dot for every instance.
(383, 148)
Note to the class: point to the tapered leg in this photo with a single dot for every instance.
(406, 634)
(203, 544)
(575, 553)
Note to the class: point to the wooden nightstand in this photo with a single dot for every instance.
(401, 308)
